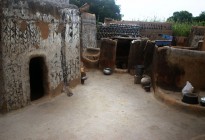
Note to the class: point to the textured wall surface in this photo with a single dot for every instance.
(88, 30)
(197, 34)
(141, 53)
(148, 29)
(107, 53)
(117, 30)
(173, 67)
(203, 46)
(37, 28)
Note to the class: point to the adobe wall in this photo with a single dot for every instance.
(203, 46)
(173, 67)
(117, 30)
(1, 66)
(107, 53)
(197, 34)
(37, 28)
(88, 30)
(148, 29)
(141, 53)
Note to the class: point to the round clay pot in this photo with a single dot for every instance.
(190, 98)
(146, 81)
(107, 71)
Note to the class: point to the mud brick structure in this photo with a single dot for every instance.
(203, 45)
(141, 53)
(194, 41)
(152, 30)
(122, 51)
(39, 50)
(117, 30)
(107, 53)
(88, 34)
(197, 34)
(173, 67)
(148, 29)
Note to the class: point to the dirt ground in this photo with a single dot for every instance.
(104, 108)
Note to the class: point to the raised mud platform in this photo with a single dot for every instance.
(173, 98)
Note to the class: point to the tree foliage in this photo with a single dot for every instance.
(200, 18)
(183, 21)
(182, 16)
(101, 8)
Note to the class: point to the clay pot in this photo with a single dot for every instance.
(146, 81)
(190, 98)
(107, 71)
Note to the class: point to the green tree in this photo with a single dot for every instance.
(101, 8)
(182, 16)
(200, 18)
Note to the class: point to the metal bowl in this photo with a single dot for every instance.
(202, 101)
(107, 71)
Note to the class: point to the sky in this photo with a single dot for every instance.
(158, 9)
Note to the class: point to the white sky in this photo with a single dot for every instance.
(158, 9)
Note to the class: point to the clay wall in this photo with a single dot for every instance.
(141, 53)
(148, 29)
(197, 34)
(107, 53)
(88, 30)
(1, 66)
(117, 30)
(173, 67)
(203, 45)
(37, 28)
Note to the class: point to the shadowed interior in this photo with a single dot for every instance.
(38, 78)
(122, 53)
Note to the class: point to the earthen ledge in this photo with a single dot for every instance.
(161, 95)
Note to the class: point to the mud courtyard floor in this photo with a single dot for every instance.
(105, 107)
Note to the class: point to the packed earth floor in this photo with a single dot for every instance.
(104, 108)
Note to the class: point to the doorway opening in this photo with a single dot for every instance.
(38, 73)
(122, 53)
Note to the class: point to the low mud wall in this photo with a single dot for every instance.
(173, 67)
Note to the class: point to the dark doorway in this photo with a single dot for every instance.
(122, 53)
(38, 78)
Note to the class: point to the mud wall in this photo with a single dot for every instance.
(136, 54)
(141, 53)
(148, 29)
(203, 45)
(173, 67)
(197, 34)
(1, 66)
(117, 30)
(107, 53)
(37, 28)
(88, 30)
